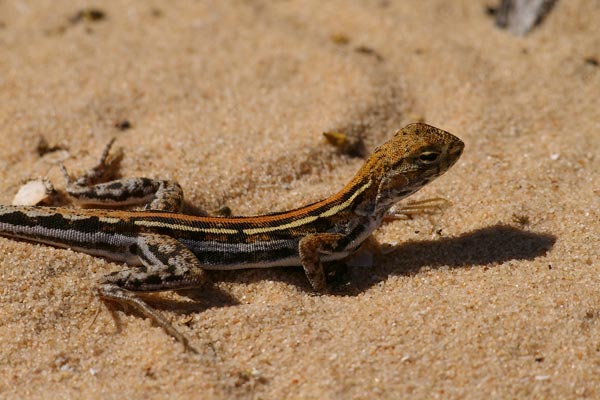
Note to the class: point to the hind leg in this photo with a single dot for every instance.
(166, 265)
(89, 189)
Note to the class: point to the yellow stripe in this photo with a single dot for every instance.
(184, 227)
(110, 220)
(73, 217)
(336, 209)
(292, 224)
(311, 218)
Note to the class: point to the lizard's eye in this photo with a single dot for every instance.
(428, 157)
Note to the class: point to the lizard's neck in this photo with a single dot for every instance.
(368, 204)
(379, 191)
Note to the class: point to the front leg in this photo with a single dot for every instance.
(166, 265)
(159, 195)
(311, 248)
(434, 205)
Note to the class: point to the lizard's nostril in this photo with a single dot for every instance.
(457, 148)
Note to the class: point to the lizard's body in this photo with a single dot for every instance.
(170, 250)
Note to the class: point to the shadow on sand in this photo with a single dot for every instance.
(492, 245)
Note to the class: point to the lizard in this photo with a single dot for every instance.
(164, 249)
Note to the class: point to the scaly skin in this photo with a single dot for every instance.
(170, 251)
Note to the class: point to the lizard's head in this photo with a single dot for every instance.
(415, 156)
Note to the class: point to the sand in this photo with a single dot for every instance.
(497, 297)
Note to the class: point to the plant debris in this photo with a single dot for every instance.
(123, 125)
(369, 51)
(520, 16)
(352, 145)
(88, 15)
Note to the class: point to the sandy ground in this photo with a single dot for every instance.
(497, 297)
